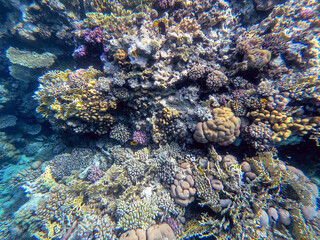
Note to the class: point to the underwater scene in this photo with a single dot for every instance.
(159, 119)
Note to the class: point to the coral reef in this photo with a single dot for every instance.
(133, 96)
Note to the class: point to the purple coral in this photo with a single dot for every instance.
(306, 13)
(172, 223)
(141, 137)
(94, 36)
(238, 94)
(79, 52)
(94, 173)
(165, 4)
(223, 99)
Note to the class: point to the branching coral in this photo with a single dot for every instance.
(138, 214)
(74, 100)
(284, 124)
(166, 125)
(246, 193)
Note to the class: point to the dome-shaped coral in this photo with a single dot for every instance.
(223, 129)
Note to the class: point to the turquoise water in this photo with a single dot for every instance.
(159, 119)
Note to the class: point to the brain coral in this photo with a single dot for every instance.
(223, 129)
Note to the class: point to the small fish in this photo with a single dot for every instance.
(263, 100)
(162, 28)
(200, 170)
(134, 143)
(135, 53)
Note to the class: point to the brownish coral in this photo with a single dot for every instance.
(134, 234)
(284, 124)
(223, 129)
(247, 41)
(120, 56)
(265, 5)
(155, 232)
(275, 43)
(257, 58)
(216, 80)
(161, 231)
(189, 25)
(167, 125)
(183, 190)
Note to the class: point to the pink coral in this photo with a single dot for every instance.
(81, 51)
(141, 137)
(94, 36)
(306, 13)
(94, 173)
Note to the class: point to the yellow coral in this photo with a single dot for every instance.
(283, 124)
(65, 95)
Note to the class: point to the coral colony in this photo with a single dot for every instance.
(160, 119)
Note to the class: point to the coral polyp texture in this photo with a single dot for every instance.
(160, 119)
(223, 129)
(75, 100)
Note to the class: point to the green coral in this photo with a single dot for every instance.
(30, 59)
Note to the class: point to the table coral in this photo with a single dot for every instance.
(223, 129)
(30, 59)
